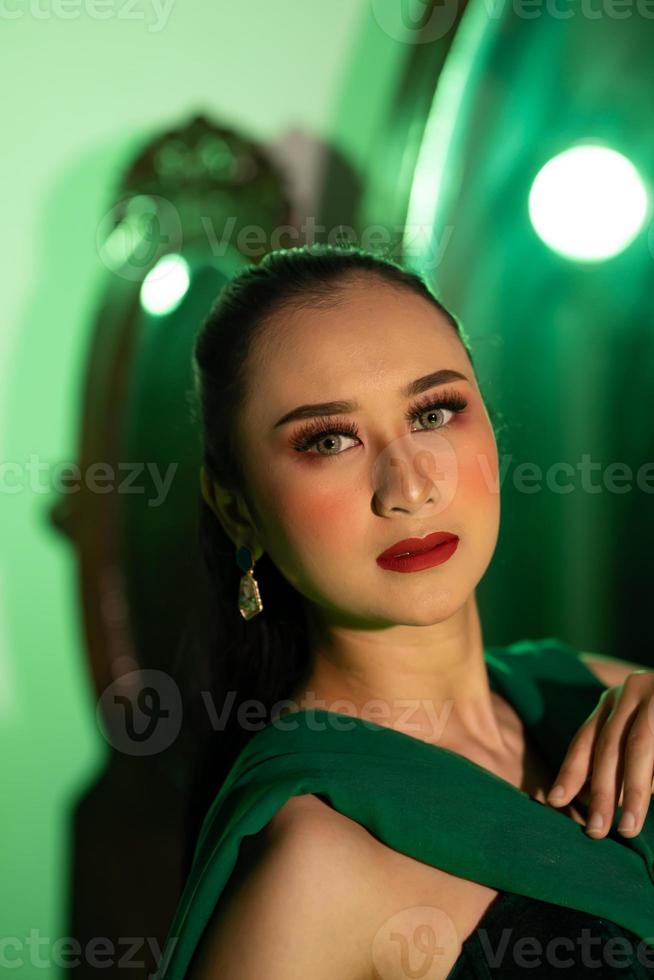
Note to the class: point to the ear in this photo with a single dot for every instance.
(232, 511)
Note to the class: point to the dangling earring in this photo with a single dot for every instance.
(249, 599)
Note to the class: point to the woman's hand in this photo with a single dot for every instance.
(610, 761)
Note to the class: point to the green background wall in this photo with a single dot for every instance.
(80, 96)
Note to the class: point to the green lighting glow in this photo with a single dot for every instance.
(436, 172)
(165, 285)
(588, 203)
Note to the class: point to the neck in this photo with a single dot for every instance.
(430, 682)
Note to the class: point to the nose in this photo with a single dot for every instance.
(407, 478)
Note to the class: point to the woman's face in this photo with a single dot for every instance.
(324, 514)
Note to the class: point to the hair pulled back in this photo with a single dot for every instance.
(259, 661)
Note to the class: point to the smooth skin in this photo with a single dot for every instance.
(304, 901)
(378, 638)
(324, 515)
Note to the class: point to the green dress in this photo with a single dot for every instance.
(462, 819)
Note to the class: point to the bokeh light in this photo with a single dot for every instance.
(165, 285)
(588, 203)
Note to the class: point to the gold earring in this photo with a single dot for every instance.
(249, 599)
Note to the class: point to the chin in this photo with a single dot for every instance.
(435, 606)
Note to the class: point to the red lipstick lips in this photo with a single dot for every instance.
(414, 554)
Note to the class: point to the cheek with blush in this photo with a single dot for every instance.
(478, 471)
(318, 520)
(319, 512)
(480, 499)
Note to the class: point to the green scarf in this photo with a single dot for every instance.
(462, 818)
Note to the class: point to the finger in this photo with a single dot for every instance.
(608, 764)
(638, 771)
(584, 793)
(575, 769)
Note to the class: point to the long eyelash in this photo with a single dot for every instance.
(452, 400)
(316, 429)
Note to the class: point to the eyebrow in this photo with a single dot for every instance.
(341, 407)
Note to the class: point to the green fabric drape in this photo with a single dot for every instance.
(462, 818)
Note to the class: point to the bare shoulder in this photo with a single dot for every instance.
(610, 670)
(311, 816)
(300, 901)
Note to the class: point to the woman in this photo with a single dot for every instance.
(374, 794)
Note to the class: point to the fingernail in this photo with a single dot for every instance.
(558, 791)
(627, 821)
(595, 822)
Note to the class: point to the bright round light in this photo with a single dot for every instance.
(588, 203)
(165, 285)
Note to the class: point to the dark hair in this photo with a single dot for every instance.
(264, 658)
